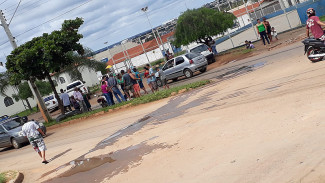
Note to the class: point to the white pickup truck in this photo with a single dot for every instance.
(78, 84)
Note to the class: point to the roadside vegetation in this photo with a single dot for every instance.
(27, 112)
(142, 100)
(2, 178)
(8, 176)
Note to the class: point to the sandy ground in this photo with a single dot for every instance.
(264, 123)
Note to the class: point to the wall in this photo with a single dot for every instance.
(16, 107)
(319, 6)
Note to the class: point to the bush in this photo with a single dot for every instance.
(2, 178)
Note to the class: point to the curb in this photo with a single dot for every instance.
(18, 179)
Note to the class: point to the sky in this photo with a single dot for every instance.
(105, 20)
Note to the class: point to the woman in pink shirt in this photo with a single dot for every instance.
(105, 92)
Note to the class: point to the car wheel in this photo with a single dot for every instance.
(188, 73)
(15, 144)
(203, 70)
(159, 83)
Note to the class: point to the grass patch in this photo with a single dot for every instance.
(2, 178)
(142, 100)
(322, 18)
(27, 112)
(246, 51)
(180, 53)
(94, 89)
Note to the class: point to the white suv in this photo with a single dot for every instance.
(204, 50)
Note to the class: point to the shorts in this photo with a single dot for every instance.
(136, 87)
(38, 144)
(129, 88)
(164, 82)
(141, 84)
(154, 85)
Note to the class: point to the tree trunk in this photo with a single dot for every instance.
(28, 104)
(56, 94)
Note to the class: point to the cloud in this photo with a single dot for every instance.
(105, 20)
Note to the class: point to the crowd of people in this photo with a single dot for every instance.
(130, 83)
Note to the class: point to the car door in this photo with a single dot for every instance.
(168, 69)
(179, 66)
(4, 138)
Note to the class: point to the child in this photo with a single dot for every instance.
(251, 46)
(273, 32)
(247, 44)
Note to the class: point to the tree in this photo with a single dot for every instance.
(46, 54)
(200, 25)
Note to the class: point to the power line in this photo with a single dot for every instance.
(14, 12)
(55, 18)
(27, 11)
(24, 6)
(3, 2)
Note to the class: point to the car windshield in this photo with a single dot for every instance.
(200, 49)
(48, 98)
(190, 56)
(73, 85)
(11, 125)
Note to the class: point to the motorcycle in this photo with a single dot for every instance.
(102, 101)
(315, 49)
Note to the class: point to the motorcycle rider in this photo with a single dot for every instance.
(314, 24)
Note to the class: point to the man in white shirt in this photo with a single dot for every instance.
(78, 96)
(65, 100)
(35, 136)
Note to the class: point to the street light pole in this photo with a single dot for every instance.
(145, 9)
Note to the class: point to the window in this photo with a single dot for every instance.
(73, 85)
(11, 125)
(8, 101)
(190, 56)
(62, 80)
(200, 49)
(169, 64)
(2, 130)
(179, 60)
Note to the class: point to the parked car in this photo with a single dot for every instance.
(78, 84)
(51, 103)
(204, 50)
(4, 117)
(184, 65)
(10, 132)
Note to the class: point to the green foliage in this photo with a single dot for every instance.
(24, 91)
(200, 25)
(179, 53)
(322, 18)
(142, 100)
(2, 178)
(4, 83)
(45, 54)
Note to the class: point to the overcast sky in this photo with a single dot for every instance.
(105, 20)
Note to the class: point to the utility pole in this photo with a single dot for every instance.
(31, 83)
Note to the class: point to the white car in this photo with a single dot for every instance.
(204, 50)
(50, 102)
(78, 84)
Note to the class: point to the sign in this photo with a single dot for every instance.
(104, 60)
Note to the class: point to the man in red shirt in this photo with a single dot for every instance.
(314, 24)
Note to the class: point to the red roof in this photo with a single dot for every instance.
(250, 8)
(138, 50)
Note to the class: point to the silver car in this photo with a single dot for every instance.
(184, 65)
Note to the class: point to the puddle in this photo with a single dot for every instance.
(105, 167)
(241, 70)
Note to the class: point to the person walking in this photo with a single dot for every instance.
(65, 100)
(268, 28)
(78, 96)
(112, 84)
(105, 93)
(136, 87)
(86, 100)
(261, 29)
(314, 25)
(35, 135)
(140, 82)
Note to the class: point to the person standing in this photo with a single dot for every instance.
(136, 87)
(152, 78)
(65, 100)
(268, 28)
(78, 96)
(261, 29)
(314, 25)
(128, 86)
(105, 93)
(140, 82)
(112, 84)
(105, 78)
(163, 79)
(274, 33)
(86, 100)
(35, 135)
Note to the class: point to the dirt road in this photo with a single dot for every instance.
(262, 120)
